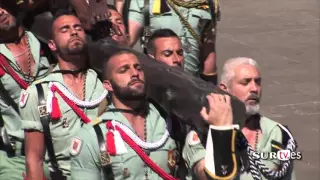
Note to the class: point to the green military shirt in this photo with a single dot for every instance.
(12, 118)
(270, 131)
(11, 168)
(171, 20)
(63, 130)
(85, 164)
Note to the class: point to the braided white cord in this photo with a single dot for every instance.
(257, 165)
(271, 173)
(142, 144)
(253, 169)
(72, 97)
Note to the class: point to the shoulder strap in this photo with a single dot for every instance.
(4, 95)
(125, 15)
(214, 10)
(45, 120)
(285, 136)
(146, 29)
(104, 156)
(103, 106)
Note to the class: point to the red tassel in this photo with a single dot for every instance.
(2, 72)
(111, 145)
(56, 113)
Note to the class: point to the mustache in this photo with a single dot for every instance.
(253, 97)
(135, 81)
(75, 38)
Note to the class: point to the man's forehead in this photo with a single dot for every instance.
(167, 39)
(123, 59)
(65, 20)
(246, 71)
(171, 42)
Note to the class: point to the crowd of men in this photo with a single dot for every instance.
(64, 120)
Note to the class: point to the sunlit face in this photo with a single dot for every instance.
(117, 20)
(68, 35)
(246, 85)
(126, 77)
(169, 50)
(7, 21)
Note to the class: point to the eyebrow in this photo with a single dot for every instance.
(250, 78)
(123, 66)
(128, 65)
(172, 49)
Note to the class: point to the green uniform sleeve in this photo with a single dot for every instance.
(193, 151)
(135, 11)
(29, 111)
(84, 161)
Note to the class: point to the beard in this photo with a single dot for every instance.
(127, 93)
(9, 26)
(253, 109)
(73, 48)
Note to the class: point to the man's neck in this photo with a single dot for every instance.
(252, 130)
(253, 122)
(136, 109)
(13, 36)
(74, 63)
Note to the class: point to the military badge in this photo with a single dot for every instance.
(75, 146)
(23, 98)
(193, 138)
(172, 159)
(65, 123)
(276, 146)
(105, 158)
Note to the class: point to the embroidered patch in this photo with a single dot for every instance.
(193, 138)
(75, 146)
(23, 98)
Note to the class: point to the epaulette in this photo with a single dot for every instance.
(39, 81)
(96, 121)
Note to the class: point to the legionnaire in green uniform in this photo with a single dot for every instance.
(131, 140)
(164, 45)
(117, 20)
(193, 21)
(21, 63)
(139, 128)
(240, 77)
(58, 105)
